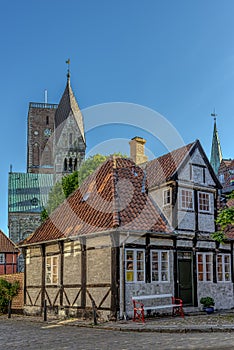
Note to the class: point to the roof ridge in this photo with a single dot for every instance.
(174, 150)
(6, 238)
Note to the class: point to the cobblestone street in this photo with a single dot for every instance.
(26, 333)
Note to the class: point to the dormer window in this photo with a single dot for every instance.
(167, 197)
(198, 173)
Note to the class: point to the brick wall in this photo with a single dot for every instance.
(18, 301)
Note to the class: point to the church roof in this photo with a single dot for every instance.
(216, 152)
(28, 192)
(115, 197)
(67, 105)
(6, 245)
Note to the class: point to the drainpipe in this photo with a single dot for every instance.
(123, 278)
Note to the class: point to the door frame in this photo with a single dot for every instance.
(185, 255)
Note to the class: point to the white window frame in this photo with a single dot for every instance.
(166, 197)
(205, 271)
(181, 197)
(131, 274)
(209, 202)
(161, 271)
(223, 268)
(2, 258)
(52, 269)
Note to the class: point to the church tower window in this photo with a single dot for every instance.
(70, 164)
(75, 164)
(36, 154)
(65, 164)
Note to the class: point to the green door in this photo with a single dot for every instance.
(185, 278)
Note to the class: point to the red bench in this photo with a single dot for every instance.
(139, 308)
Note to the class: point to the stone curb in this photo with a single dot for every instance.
(187, 329)
(138, 327)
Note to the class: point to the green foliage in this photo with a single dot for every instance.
(44, 215)
(218, 236)
(69, 183)
(225, 217)
(56, 197)
(207, 301)
(89, 166)
(231, 195)
(7, 292)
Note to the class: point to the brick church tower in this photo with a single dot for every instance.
(55, 147)
(40, 129)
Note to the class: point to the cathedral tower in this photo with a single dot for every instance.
(55, 147)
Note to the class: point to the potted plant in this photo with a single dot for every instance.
(208, 304)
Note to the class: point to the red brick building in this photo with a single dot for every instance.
(8, 255)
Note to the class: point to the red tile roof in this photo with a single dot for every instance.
(6, 245)
(229, 231)
(162, 169)
(113, 197)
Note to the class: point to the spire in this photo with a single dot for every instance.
(216, 152)
(68, 105)
(68, 69)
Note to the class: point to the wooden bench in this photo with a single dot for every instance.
(139, 308)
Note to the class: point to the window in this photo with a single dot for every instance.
(159, 266)
(52, 269)
(36, 156)
(186, 199)
(223, 268)
(2, 258)
(167, 197)
(65, 165)
(135, 265)
(198, 174)
(204, 267)
(204, 201)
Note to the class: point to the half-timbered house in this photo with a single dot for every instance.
(93, 248)
(185, 187)
(8, 255)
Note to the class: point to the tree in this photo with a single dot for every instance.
(89, 166)
(7, 292)
(69, 183)
(224, 219)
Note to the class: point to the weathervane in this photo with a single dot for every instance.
(214, 115)
(68, 67)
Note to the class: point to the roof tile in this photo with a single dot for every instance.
(114, 196)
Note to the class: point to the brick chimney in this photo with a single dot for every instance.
(137, 150)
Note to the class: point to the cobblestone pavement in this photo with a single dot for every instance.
(32, 333)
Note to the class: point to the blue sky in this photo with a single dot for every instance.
(174, 57)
